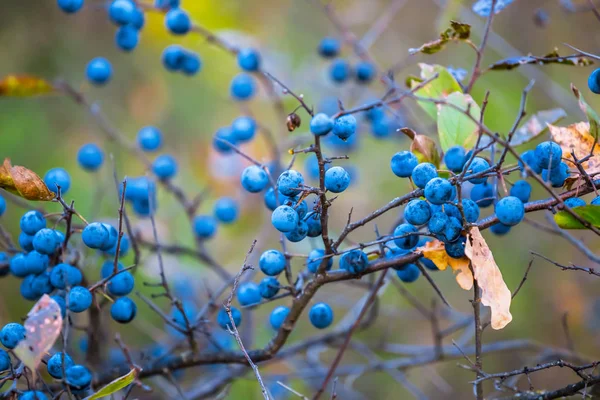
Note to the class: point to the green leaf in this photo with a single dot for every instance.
(457, 31)
(591, 115)
(550, 58)
(115, 386)
(589, 213)
(439, 88)
(536, 125)
(455, 127)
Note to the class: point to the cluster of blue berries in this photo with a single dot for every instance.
(340, 69)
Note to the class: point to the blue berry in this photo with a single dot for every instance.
(314, 225)
(70, 6)
(272, 262)
(278, 316)
(417, 212)
(329, 47)
(499, 229)
(455, 158)
(403, 164)
(223, 318)
(58, 177)
(123, 248)
(321, 124)
(4, 361)
(254, 179)
(423, 173)
(2, 206)
(165, 166)
(18, 265)
(483, 195)
(557, 175)
(344, 126)
(226, 210)
(149, 138)
(342, 145)
(178, 21)
(113, 236)
(284, 219)
(477, 166)
(249, 59)
(166, 4)
(27, 290)
(55, 365)
(95, 235)
(510, 210)
(138, 19)
(90, 157)
(11, 334)
(41, 284)
(521, 190)
(298, 233)
(32, 221)
(36, 262)
(248, 293)
(471, 210)
(121, 12)
(270, 199)
(242, 87)
(439, 191)
(456, 249)
(532, 161)
(121, 284)
(123, 310)
(574, 202)
(243, 129)
(410, 240)
(315, 258)
(594, 81)
(26, 241)
(78, 377)
(382, 127)
(63, 275)
(80, 299)
(408, 273)
(99, 71)
(321, 315)
(191, 63)
(205, 226)
(289, 182)
(337, 179)
(438, 222)
(62, 303)
(268, 287)
(339, 70)
(595, 201)
(227, 138)
(453, 230)
(173, 57)
(127, 37)
(549, 154)
(355, 261)
(365, 71)
(45, 241)
(33, 395)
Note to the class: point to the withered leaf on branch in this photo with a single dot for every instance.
(24, 86)
(457, 31)
(423, 147)
(23, 182)
(550, 58)
(435, 251)
(494, 292)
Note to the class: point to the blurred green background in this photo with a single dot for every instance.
(46, 132)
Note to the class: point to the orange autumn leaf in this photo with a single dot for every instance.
(436, 252)
(23, 182)
(494, 292)
(576, 138)
(24, 86)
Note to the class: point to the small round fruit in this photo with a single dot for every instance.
(594, 81)
(483, 195)
(80, 299)
(321, 315)
(248, 293)
(223, 140)
(78, 377)
(32, 221)
(33, 395)
(178, 21)
(223, 318)
(5, 362)
(452, 230)
(339, 70)
(243, 129)
(191, 63)
(417, 212)
(477, 166)
(455, 158)
(456, 249)
(36, 262)
(249, 59)
(499, 229)
(408, 273)
(278, 316)
(121, 12)
(365, 71)
(329, 47)
(521, 190)
(2, 206)
(173, 57)
(284, 219)
(123, 310)
(439, 191)
(127, 37)
(321, 124)
(58, 177)
(70, 6)
(272, 262)
(226, 210)
(205, 226)
(403, 163)
(95, 235)
(531, 161)
(438, 222)
(510, 210)
(471, 210)
(344, 126)
(149, 138)
(254, 179)
(121, 284)
(337, 179)
(99, 71)
(268, 287)
(65, 275)
(557, 176)
(55, 365)
(165, 166)
(11, 334)
(406, 237)
(315, 258)
(45, 241)
(242, 87)
(90, 157)
(290, 182)
(423, 173)
(574, 202)
(549, 154)
(355, 261)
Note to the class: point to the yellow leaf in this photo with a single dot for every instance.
(436, 252)
(494, 292)
(24, 85)
(576, 138)
(23, 182)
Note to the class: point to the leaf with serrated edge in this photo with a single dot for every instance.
(589, 213)
(114, 386)
(494, 292)
(439, 88)
(454, 127)
(435, 251)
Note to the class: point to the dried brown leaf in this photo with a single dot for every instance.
(23, 182)
(436, 252)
